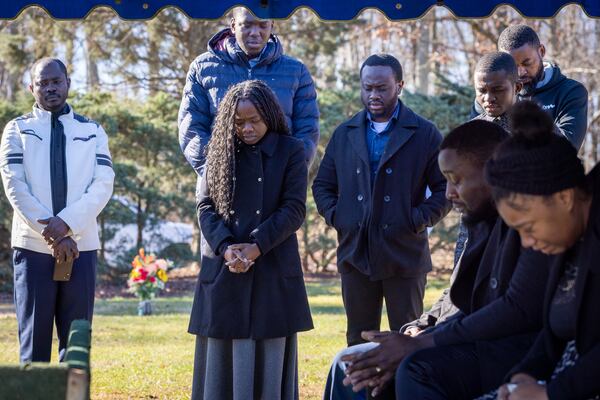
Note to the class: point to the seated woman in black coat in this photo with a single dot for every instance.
(541, 191)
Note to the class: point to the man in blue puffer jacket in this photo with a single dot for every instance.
(246, 50)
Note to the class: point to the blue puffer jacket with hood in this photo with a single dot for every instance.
(225, 64)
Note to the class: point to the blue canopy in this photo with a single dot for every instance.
(326, 9)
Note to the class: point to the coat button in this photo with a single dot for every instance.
(388, 171)
(260, 179)
(360, 197)
(494, 283)
(258, 212)
(384, 226)
(357, 171)
(386, 198)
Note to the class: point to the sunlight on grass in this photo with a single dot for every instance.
(151, 357)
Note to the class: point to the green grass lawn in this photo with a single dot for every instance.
(151, 357)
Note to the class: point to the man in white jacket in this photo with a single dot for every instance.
(57, 174)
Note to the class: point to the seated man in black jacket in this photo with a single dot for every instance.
(498, 290)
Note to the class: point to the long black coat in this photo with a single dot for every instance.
(498, 289)
(268, 207)
(382, 227)
(581, 381)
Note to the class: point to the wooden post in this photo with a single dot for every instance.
(78, 385)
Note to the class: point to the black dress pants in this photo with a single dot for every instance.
(363, 302)
(41, 302)
(446, 372)
(461, 371)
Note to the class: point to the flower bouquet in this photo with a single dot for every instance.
(147, 277)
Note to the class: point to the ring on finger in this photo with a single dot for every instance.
(378, 369)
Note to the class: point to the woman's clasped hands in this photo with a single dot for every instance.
(241, 256)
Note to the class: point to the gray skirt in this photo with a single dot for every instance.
(245, 369)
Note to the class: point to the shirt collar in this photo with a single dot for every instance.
(252, 61)
(41, 113)
(501, 120)
(393, 118)
(65, 110)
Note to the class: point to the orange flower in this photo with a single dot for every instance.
(136, 262)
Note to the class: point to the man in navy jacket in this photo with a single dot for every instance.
(371, 187)
(246, 50)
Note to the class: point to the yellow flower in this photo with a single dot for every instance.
(162, 275)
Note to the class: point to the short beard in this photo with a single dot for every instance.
(529, 89)
(486, 211)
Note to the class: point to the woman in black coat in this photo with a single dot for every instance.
(250, 299)
(541, 190)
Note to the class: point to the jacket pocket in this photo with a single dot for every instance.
(395, 247)
(31, 132)
(400, 238)
(345, 218)
(288, 258)
(84, 138)
(416, 220)
(209, 270)
(334, 218)
(211, 264)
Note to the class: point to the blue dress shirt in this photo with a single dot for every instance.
(376, 142)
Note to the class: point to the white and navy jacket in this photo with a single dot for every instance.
(25, 170)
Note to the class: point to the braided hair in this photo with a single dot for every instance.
(221, 149)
